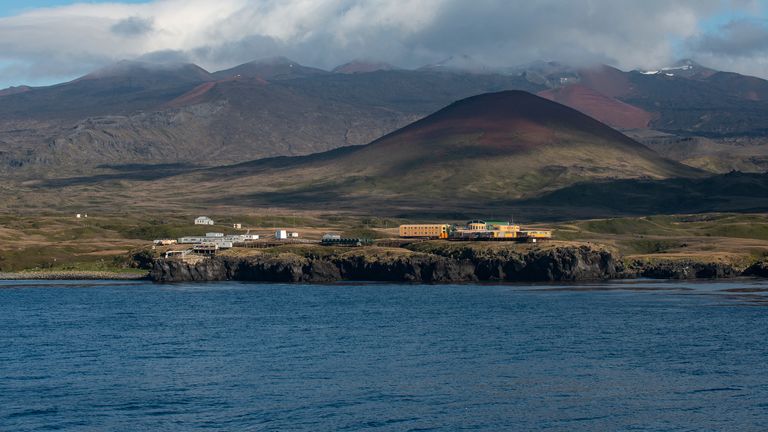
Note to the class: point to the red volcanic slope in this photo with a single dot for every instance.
(14, 90)
(510, 119)
(606, 80)
(196, 95)
(608, 110)
(193, 96)
(358, 66)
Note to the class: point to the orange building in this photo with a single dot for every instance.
(425, 230)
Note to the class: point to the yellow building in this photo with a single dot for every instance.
(425, 230)
(477, 225)
(537, 234)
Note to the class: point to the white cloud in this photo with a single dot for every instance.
(64, 41)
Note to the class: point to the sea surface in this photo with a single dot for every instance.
(618, 356)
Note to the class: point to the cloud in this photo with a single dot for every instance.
(740, 45)
(166, 56)
(133, 26)
(737, 38)
(324, 33)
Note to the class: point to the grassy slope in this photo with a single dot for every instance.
(57, 242)
(711, 237)
(496, 146)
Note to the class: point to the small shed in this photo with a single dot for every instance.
(203, 220)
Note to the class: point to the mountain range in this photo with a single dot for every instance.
(495, 146)
(491, 152)
(138, 112)
(275, 132)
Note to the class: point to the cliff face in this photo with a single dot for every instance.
(759, 269)
(683, 269)
(437, 266)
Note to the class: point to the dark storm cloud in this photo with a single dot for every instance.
(133, 26)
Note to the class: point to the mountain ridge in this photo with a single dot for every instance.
(496, 145)
(135, 113)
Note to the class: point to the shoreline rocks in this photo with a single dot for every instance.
(444, 262)
(682, 269)
(758, 269)
(450, 265)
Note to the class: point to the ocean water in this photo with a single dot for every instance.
(634, 356)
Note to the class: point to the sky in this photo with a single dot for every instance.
(48, 41)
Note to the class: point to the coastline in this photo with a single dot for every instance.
(438, 263)
(71, 275)
(433, 263)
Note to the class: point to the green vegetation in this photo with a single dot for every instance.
(61, 258)
(650, 246)
(623, 226)
(751, 226)
(121, 242)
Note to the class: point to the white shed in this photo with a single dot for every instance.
(281, 234)
(203, 220)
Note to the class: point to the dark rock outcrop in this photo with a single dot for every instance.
(438, 266)
(759, 269)
(567, 263)
(681, 269)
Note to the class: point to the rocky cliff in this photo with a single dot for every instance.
(759, 269)
(438, 264)
(378, 264)
(682, 269)
(445, 262)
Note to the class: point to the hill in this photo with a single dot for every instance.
(742, 192)
(159, 114)
(505, 145)
(495, 154)
(609, 110)
(130, 114)
(120, 89)
(696, 115)
(362, 66)
(274, 68)
(685, 98)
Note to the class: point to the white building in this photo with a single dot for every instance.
(191, 240)
(203, 220)
(237, 226)
(281, 234)
(214, 234)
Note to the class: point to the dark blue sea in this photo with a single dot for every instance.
(620, 356)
